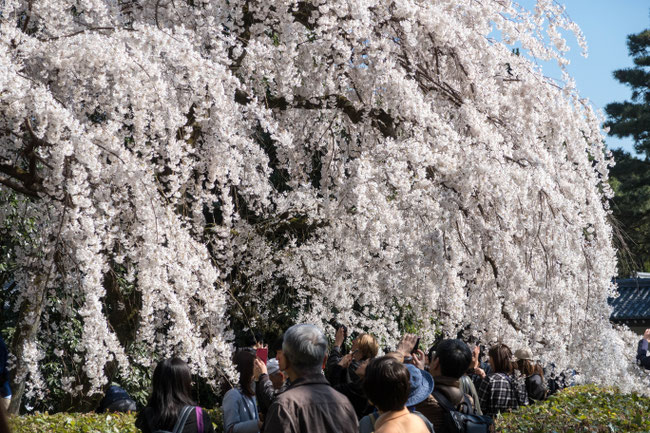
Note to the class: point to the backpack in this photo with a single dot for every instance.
(182, 419)
(459, 422)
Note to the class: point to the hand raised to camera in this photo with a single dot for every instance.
(418, 359)
(346, 361)
(259, 368)
(406, 345)
(339, 338)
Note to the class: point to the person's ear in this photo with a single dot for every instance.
(324, 362)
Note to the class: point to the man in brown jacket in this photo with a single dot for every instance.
(310, 404)
(450, 362)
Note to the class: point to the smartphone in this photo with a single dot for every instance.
(262, 354)
(417, 346)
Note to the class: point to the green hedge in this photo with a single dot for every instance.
(87, 423)
(578, 409)
(581, 409)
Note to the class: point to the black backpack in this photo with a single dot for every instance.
(459, 422)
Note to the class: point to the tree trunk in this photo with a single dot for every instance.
(29, 319)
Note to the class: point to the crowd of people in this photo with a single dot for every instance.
(311, 387)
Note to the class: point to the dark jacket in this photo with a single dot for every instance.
(311, 405)
(336, 374)
(354, 392)
(642, 357)
(535, 387)
(346, 381)
(431, 409)
(266, 393)
(144, 421)
(116, 399)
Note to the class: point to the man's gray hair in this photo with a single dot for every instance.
(305, 347)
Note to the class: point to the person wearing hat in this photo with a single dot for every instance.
(532, 372)
(275, 374)
(395, 388)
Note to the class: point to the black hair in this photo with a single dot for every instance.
(387, 373)
(277, 344)
(172, 388)
(454, 356)
(244, 361)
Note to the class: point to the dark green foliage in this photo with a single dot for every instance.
(632, 118)
(88, 422)
(581, 409)
(578, 409)
(630, 179)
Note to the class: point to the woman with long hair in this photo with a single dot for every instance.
(501, 390)
(171, 405)
(240, 413)
(533, 373)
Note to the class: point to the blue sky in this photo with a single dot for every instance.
(606, 24)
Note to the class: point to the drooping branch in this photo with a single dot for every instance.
(506, 315)
(26, 182)
(380, 119)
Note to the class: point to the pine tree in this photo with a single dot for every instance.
(632, 118)
(631, 204)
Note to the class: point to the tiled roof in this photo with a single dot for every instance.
(633, 301)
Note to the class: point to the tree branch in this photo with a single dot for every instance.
(380, 119)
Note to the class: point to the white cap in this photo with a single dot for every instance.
(272, 366)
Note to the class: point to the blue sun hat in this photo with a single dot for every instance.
(421, 385)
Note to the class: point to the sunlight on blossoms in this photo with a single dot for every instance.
(192, 164)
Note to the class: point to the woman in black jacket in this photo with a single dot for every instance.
(171, 395)
(533, 373)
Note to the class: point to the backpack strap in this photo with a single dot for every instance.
(443, 401)
(373, 419)
(467, 404)
(182, 419)
(199, 419)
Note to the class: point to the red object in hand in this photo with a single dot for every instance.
(262, 354)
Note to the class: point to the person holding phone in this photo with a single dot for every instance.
(240, 413)
(267, 377)
(344, 372)
(340, 368)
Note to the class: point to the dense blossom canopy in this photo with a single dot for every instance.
(378, 160)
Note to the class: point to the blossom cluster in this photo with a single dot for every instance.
(377, 161)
